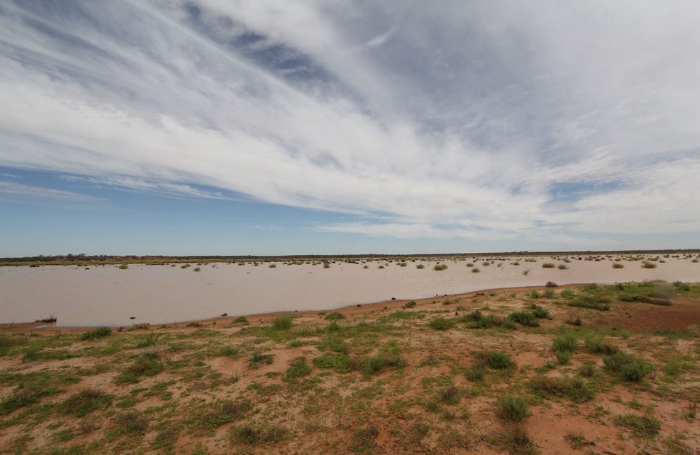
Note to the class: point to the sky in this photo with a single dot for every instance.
(348, 126)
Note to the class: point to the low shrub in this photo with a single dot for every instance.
(257, 358)
(574, 389)
(410, 304)
(498, 360)
(100, 332)
(591, 302)
(334, 316)
(567, 342)
(440, 324)
(298, 369)
(282, 323)
(147, 364)
(597, 345)
(563, 357)
(132, 422)
(525, 318)
(81, 403)
(512, 408)
(250, 435)
(645, 426)
(363, 439)
(630, 367)
(540, 312)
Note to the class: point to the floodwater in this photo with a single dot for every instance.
(107, 295)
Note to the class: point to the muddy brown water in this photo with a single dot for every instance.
(107, 295)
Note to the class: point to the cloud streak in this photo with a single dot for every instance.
(458, 121)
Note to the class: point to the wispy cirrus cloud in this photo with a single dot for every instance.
(17, 192)
(456, 120)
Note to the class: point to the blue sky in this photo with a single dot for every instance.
(285, 127)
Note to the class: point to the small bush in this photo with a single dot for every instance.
(551, 284)
(440, 267)
(617, 265)
(644, 426)
(19, 399)
(132, 422)
(334, 316)
(547, 265)
(84, 402)
(591, 302)
(648, 265)
(97, 333)
(241, 319)
(124, 266)
(148, 341)
(363, 439)
(475, 373)
(450, 395)
(525, 318)
(512, 408)
(420, 266)
(475, 270)
(341, 363)
(635, 370)
(221, 413)
(282, 323)
(147, 364)
(516, 440)
(563, 357)
(440, 324)
(596, 345)
(574, 389)
(247, 434)
(540, 312)
(257, 358)
(498, 360)
(566, 342)
(630, 367)
(333, 327)
(410, 304)
(567, 294)
(298, 369)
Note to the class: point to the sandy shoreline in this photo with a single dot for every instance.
(265, 318)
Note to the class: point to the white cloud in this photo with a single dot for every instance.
(454, 121)
(17, 192)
